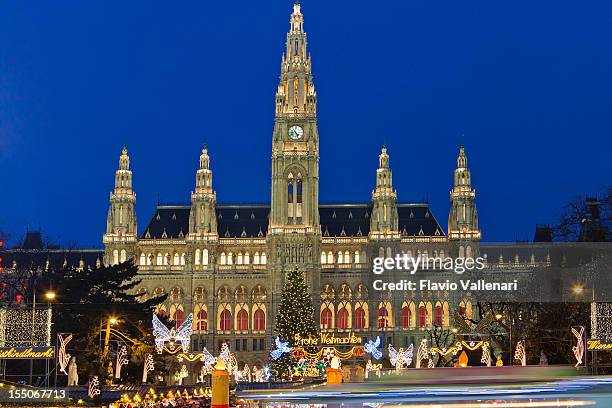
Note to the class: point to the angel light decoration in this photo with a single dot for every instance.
(163, 334)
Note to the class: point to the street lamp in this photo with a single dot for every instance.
(50, 296)
(109, 321)
(498, 316)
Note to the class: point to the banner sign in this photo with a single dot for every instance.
(327, 339)
(26, 352)
(599, 345)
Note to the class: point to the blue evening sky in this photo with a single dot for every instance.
(529, 83)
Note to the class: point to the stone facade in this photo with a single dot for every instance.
(226, 263)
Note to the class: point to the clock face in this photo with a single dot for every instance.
(296, 132)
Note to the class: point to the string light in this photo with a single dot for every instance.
(578, 349)
(93, 390)
(18, 330)
(520, 353)
(62, 356)
(122, 360)
(149, 366)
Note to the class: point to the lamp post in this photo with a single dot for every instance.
(111, 320)
(498, 317)
(578, 290)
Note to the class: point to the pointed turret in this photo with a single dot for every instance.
(296, 91)
(121, 223)
(202, 218)
(383, 223)
(463, 217)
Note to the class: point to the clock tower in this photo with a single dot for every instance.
(294, 231)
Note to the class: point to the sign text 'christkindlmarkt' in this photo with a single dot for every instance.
(26, 352)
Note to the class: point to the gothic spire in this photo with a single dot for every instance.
(463, 217)
(296, 91)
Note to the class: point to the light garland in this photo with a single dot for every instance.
(400, 358)
(601, 320)
(282, 347)
(204, 356)
(93, 390)
(122, 359)
(486, 355)
(579, 348)
(62, 356)
(520, 353)
(244, 375)
(371, 347)
(163, 334)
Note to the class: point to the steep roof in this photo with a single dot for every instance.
(251, 220)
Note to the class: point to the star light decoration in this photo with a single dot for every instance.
(400, 358)
(63, 358)
(122, 359)
(371, 347)
(149, 365)
(578, 349)
(93, 390)
(282, 347)
(520, 353)
(163, 334)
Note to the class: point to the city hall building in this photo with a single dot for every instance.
(226, 263)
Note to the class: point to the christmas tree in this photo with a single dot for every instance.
(295, 316)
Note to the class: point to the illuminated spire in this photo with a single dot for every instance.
(384, 221)
(463, 216)
(296, 91)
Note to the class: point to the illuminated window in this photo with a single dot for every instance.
(259, 320)
(405, 317)
(422, 316)
(225, 320)
(343, 318)
(326, 318)
(360, 318)
(243, 320)
(382, 317)
(438, 316)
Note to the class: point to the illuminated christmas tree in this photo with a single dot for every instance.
(295, 316)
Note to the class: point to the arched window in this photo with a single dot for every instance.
(160, 259)
(326, 318)
(347, 257)
(323, 258)
(468, 251)
(239, 258)
(149, 259)
(263, 258)
(256, 258)
(202, 320)
(340, 257)
(123, 255)
(225, 320)
(382, 317)
(343, 318)
(230, 258)
(178, 318)
(330, 258)
(259, 320)
(223, 258)
(115, 257)
(247, 258)
(167, 259)
(356, 257)
(422, 316)
(197, 256)
(143, 259)
(176, 260)
(461, 311)
(183, 258)
(205, 256)
(359, 318)
(243, 320)
(438, 315)
(405, 317)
